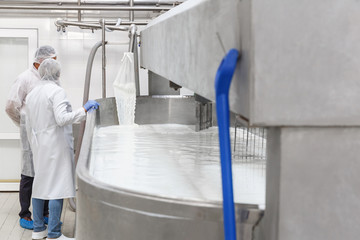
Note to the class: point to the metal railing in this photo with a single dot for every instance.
(249, 143)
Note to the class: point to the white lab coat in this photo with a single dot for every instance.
(24, 83)
(48, 122)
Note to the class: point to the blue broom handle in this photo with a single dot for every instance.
(222, 85)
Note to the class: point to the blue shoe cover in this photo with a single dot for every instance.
(26, 224)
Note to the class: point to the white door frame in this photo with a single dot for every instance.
(32, 35)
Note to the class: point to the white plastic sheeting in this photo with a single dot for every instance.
(171, 161)
(125, 90)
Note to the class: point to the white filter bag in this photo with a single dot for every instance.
(125, 90)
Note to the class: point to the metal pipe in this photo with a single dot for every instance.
(102, 22)
(136, 66)
(136, 2)
(85, 99)
(93, 2)
(86, 96)
(85, 8)
(132, 36)
(88, 25)
(122, 23)
(131, 13)
(79, 11)
(88, 70)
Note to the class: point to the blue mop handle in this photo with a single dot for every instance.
(222, 85)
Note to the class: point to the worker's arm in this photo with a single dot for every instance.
(13, 111)
(15, 101)
(63, 112)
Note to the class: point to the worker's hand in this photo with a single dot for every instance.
(91, 105)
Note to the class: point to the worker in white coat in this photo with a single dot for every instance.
(15, 106)
(49, 119)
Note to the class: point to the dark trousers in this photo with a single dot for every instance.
(25, 197)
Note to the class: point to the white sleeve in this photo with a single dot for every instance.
(62, 110)
(15, 100)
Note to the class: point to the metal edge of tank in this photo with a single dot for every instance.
(107, 212)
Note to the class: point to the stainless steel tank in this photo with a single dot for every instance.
(107, 211)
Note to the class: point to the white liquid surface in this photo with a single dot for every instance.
(171, 161)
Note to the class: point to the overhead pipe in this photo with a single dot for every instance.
(85, 8)
(61, 23)
(122, 23)
(94, 2)
(137, 2)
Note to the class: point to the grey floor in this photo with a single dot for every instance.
(9, 219)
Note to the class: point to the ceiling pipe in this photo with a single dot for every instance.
(85, 8)
(62, 23)
(126, 23)
(91, 2)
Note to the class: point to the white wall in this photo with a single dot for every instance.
(73, 50)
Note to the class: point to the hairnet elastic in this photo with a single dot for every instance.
(50, 70)
(44, 52)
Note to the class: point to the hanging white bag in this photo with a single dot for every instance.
(125, 90)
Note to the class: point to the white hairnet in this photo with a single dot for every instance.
(44, 52)
(50, 70)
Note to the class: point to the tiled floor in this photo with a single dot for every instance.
(9, 219)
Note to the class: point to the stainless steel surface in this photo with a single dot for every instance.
(103, 59)
(165, 109)
(312, 184)
(107, 108)
(133, 216)
(288, 93)
(159, 85)
(193, 63)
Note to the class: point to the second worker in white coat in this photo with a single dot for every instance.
(49, 120)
